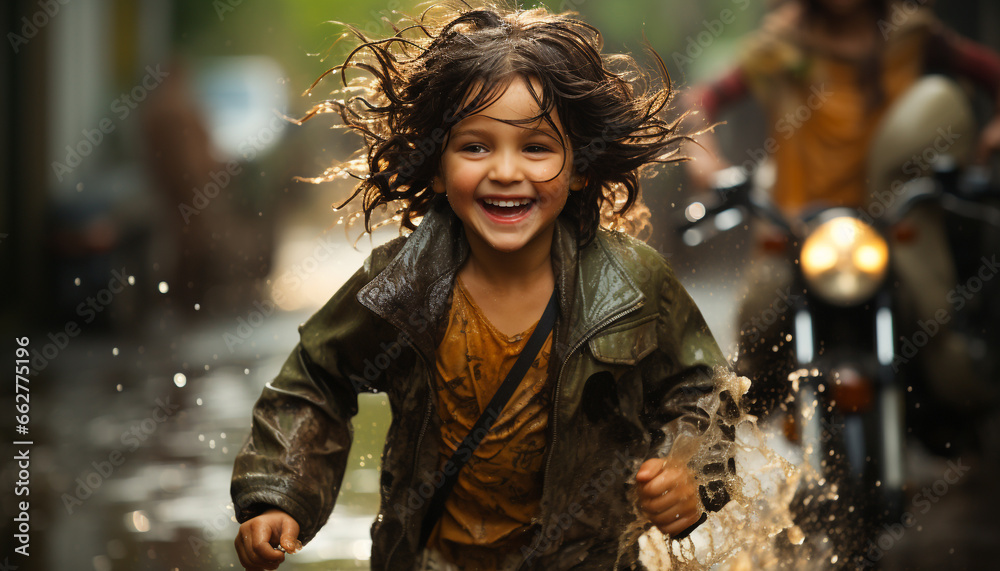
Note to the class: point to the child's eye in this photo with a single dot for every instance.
(536, 149)
(474, 148)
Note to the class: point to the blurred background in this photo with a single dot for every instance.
(158, 254)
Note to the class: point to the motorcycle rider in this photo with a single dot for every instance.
(826, 71)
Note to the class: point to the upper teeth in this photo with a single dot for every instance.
(507, 203)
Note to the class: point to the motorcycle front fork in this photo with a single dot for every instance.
(891, 402)
(885, 448)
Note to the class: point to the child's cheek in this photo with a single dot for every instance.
(461, 181)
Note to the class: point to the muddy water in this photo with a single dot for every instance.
(758, 528)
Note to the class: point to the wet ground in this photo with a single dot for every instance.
(134, 437)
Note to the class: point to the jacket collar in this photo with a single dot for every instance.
(414, 288)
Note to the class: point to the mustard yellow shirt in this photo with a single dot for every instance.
(498, 491)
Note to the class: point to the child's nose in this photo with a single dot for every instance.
(506, 168)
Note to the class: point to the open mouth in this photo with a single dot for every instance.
(507, 209)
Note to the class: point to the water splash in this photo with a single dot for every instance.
(758, 528)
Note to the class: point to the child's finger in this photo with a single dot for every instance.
(664, 502)
(241, 551)
(264, 554)
(674, 523)
(679, 512)
(290, 535)
(665, 480)
(246, 549)
(649, 469)
(683, 498)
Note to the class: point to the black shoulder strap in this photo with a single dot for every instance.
(482, 426)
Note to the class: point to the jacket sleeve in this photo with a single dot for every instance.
(296, 454)
(949, 52)
(691, 408)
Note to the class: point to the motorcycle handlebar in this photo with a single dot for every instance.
(732, 189)
(958, 192)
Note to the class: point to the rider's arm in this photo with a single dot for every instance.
(714, 96)
(953, 53)
(709, 99)
(962, 56)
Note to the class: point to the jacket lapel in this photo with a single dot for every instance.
(601, 288)
(414, 287)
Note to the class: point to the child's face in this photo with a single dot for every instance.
(507, 182)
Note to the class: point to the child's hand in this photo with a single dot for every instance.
(668, 495)
(257, 538)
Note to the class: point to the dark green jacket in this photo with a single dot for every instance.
(632, 361)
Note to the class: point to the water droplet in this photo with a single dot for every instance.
(246, 371)
(834, 559)
(114, 351)
(222, 435)
(131, 280)
(76, 281)
(119, 387)
(201, 438)
(211, 444)
(164, 287)
(180, 380)
(197, 307)
(198, 401)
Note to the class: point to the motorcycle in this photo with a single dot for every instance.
(843, 369)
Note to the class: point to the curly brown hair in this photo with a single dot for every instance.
(453, 61)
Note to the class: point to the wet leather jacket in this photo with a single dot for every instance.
(633, 366)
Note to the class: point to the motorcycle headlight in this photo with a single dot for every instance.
(844, 260)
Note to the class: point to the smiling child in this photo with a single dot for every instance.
(542, 139)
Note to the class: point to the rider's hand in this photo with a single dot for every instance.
(668, 495)
(257, 540)
(989, 141)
